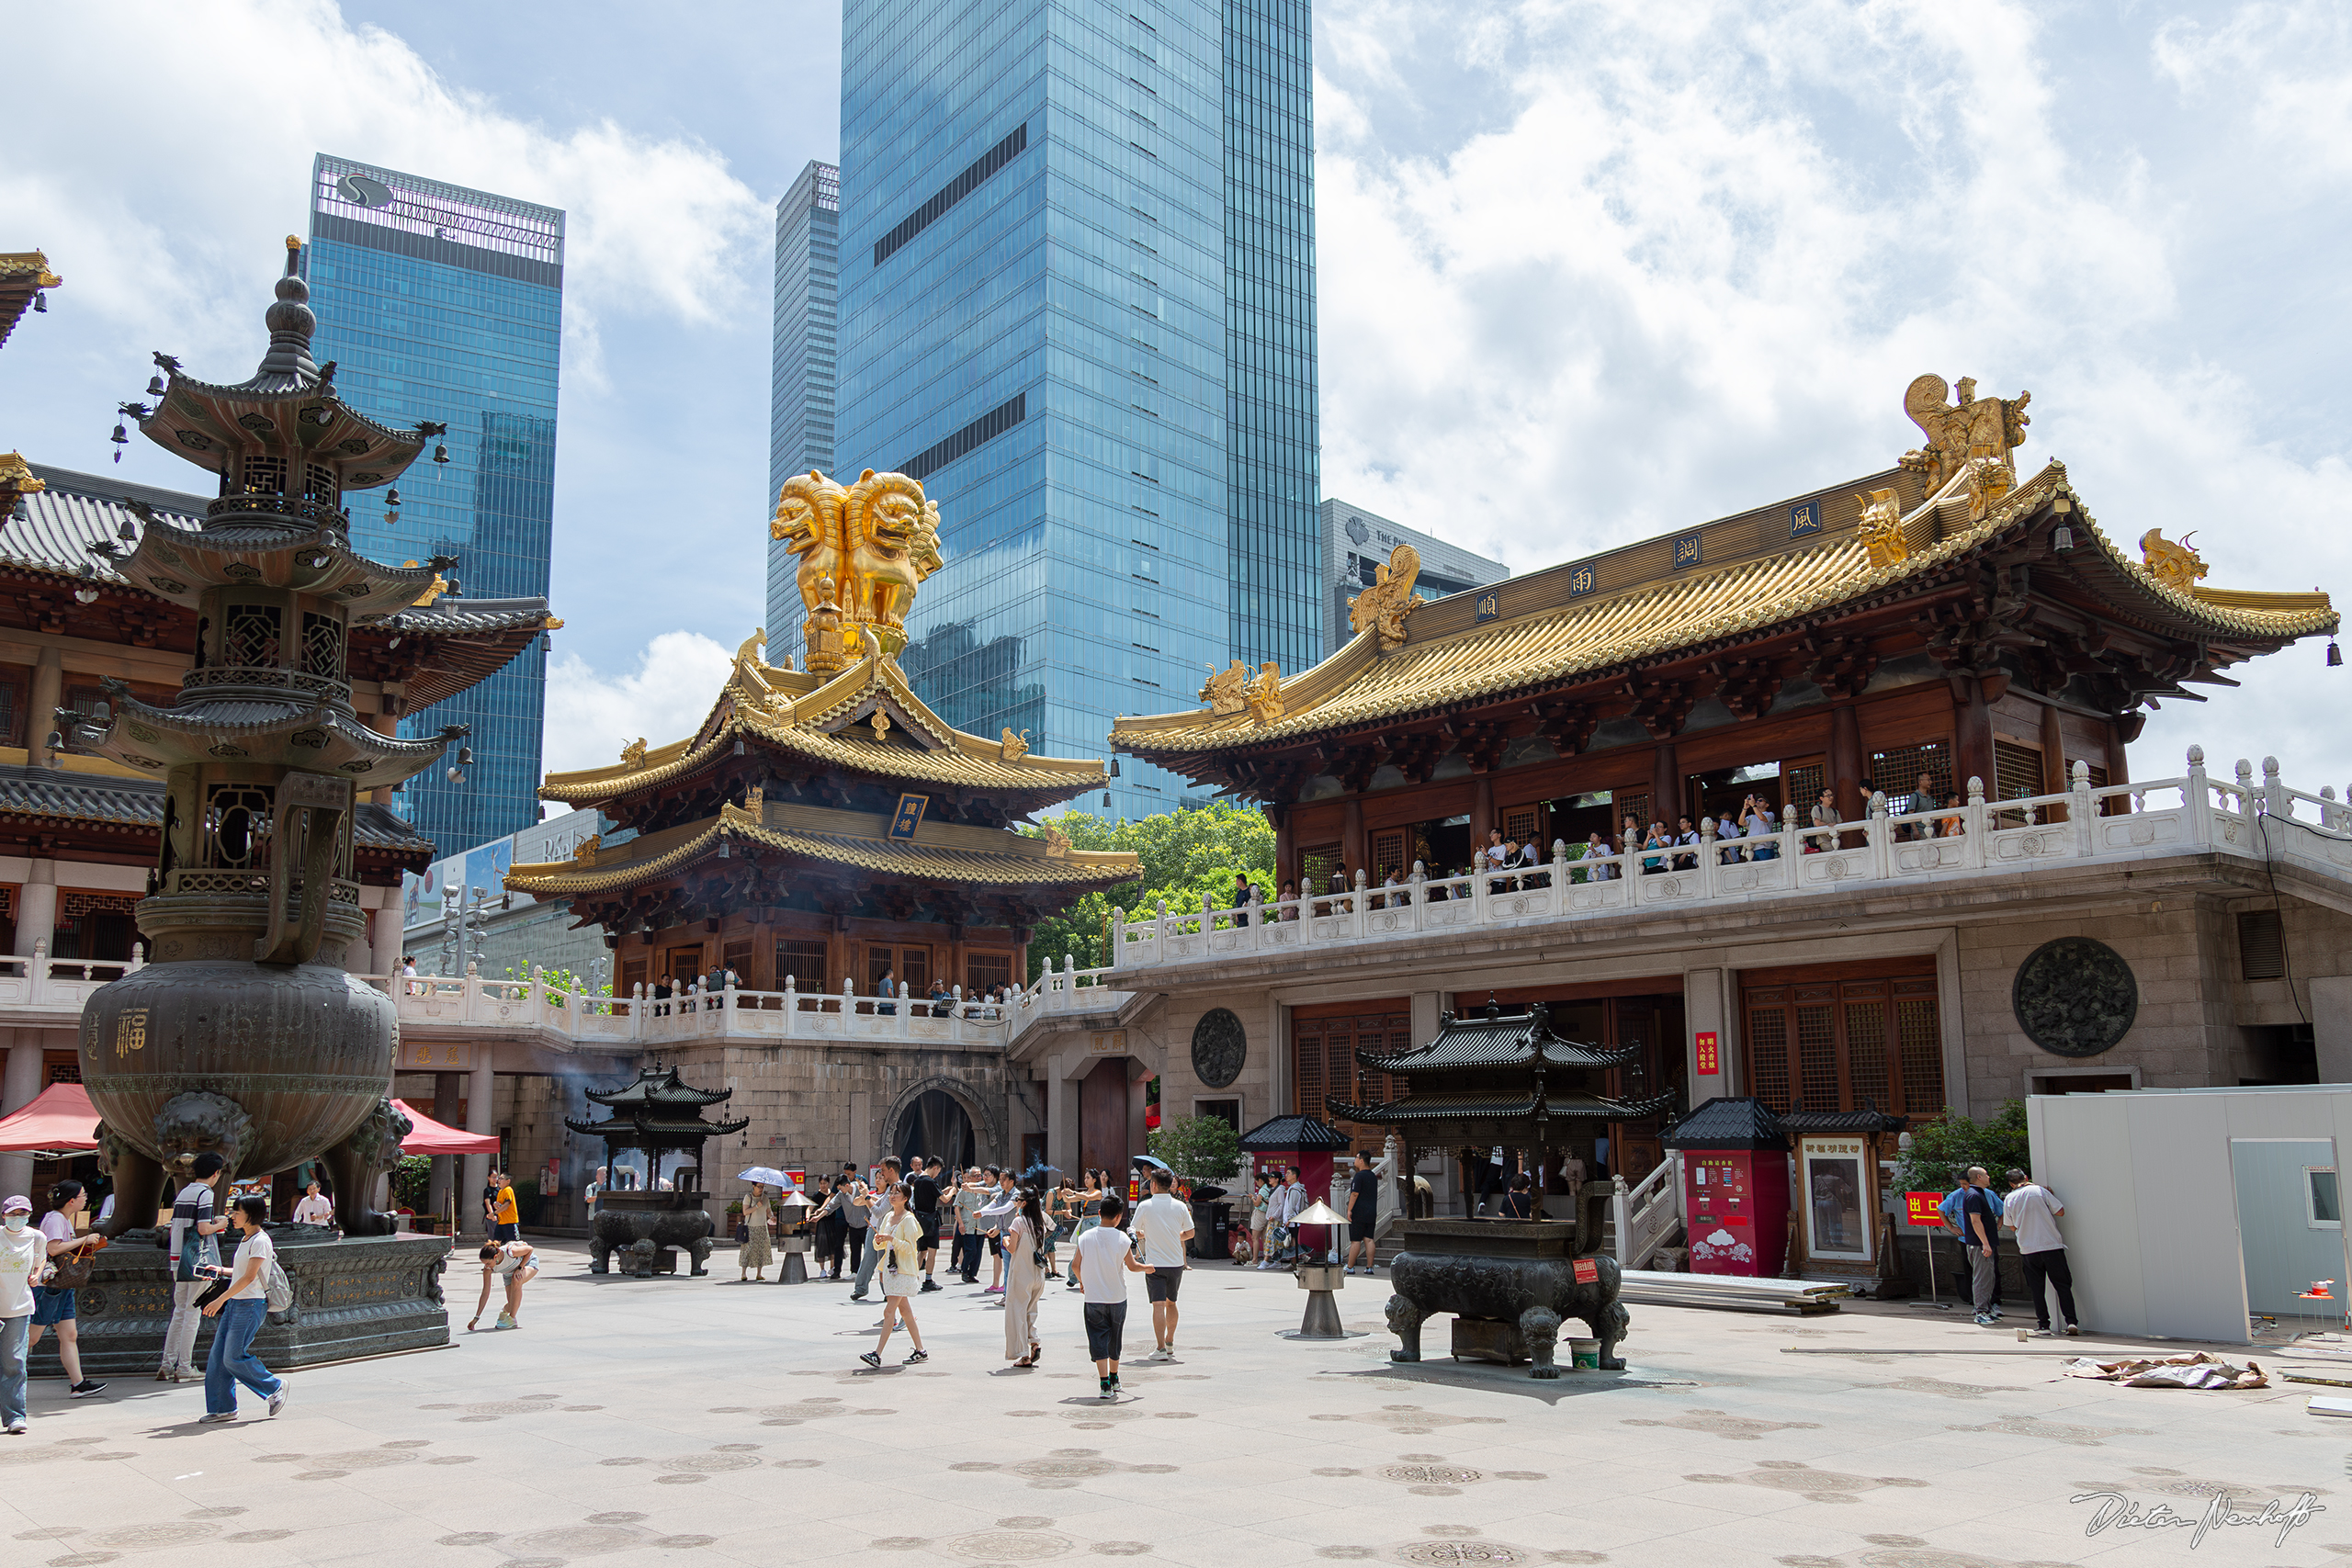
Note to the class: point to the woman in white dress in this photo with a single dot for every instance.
(1025, 1278)
(898, 1235)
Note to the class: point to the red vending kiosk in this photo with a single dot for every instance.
(1734, 1187)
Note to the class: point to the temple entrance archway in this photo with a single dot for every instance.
(941, 1115)
(935, 1124)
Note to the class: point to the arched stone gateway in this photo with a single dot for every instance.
(986, 1120)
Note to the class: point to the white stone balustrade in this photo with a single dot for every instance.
(2117, 824)
(46, 985)
(739, 1015)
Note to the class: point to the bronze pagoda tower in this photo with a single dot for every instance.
(244, 1033)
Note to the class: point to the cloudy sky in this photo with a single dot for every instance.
(1589, 271)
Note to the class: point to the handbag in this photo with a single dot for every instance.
(743, 1233)
(75, 1274)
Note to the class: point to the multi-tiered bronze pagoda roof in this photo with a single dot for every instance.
(1495, 1078)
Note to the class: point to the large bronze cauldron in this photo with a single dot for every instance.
(1522, 1274)
(641, 1225)
(266, 1064)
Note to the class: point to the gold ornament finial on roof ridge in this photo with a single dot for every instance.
(633, 754)
(864, 549)
(1264, 694)
(1015, 746)
(1985, 427)
(1881, 528)
(1223, 690)
(2172, 562)
(1384, 605)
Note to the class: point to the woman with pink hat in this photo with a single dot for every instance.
(24, 1263)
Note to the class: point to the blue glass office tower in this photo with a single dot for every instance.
(800, 396)
(441, 303)
(1077, 284)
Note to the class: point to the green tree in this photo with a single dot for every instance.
(1184, 856)
(1198, 1148)
(1941, 1152)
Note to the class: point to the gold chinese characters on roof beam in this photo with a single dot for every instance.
(864, 549)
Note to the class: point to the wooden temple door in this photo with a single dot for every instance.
(1654, 1024)
(1103, 1120)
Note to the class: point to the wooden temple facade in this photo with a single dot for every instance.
(1947, 618)
(825, 830)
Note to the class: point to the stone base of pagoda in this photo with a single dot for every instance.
(355, 1296)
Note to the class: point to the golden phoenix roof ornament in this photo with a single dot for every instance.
(864, 550)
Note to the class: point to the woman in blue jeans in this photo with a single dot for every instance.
(238, 1317)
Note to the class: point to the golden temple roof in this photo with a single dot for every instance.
(1449, 659)
(855, 840)
(23, 275)
(828, 720)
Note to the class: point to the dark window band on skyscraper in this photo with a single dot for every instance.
(956, 190)
(987, 427)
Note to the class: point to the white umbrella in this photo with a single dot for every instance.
(766, 1175)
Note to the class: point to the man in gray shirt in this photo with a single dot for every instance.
(2033, 1211)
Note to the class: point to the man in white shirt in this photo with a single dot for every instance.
(2033, 1211)
(313, 1208)
(1163, 1224)
(1099, 1265)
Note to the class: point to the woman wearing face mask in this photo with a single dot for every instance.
(24, 1263)
(53, 1308)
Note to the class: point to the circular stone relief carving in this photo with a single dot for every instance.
(2074, 997)
(1219, 1047)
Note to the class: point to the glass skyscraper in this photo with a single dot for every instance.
(1077, 280)
(441, 303)
(800, 399)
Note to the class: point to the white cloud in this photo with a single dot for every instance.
(591, 715)
(172, 145)
(1591, 271)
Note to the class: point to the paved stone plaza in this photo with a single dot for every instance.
(677, 1421)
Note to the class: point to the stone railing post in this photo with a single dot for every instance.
(1710, 863)
(906, 1009)
(728, 1003)
(1621, 1219)
(38, 990)
(2079, 810)
(2197, 799)
(637, 1012)
(2327, 812)
(1559, 876)
(1880, 834)
(1975, 853)
(1479, 883)
(1159, 945)
(139, 954)
(2274, 790)
(1115, 957)
(791, 1007)
(1208, 913)
(848, 1007)
(1356, 905)
(2245, 801)
(1418, 886)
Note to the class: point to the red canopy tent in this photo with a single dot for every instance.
(427, 1136)
(60, 1117)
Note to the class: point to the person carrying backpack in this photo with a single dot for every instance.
(238, 1315)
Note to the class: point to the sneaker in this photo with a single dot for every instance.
(993, 1291)
(1162, 1353)
(857, 1296)
(215, 1420)
(1105, 1383)
(871, 1357)
(1983, 1320)
(16, 1429)
(504, 1322)
(2074, 1328)
(277, 1401)
(918, 1358)
(1117, 1389)
(85, 1388)
(930, 1285)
